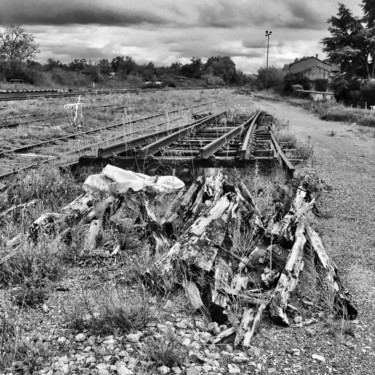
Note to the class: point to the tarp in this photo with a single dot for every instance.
(119, 181)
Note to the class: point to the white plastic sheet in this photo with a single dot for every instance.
(120, 181)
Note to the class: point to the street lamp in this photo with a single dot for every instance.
(268, 33)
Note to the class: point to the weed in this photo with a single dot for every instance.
(168, 352)
(32, 265)
(46, 184)
(111, 309)
(331, 133)
(21, 355)
(30, 296)
(286, 137)
(306, 150)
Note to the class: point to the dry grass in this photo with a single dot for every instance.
(338, 112)
(136, 106)
(111, 309)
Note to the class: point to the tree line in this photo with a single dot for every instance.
(18, 50)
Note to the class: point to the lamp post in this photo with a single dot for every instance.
(268, 33)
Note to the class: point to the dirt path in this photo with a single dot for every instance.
(344, 157)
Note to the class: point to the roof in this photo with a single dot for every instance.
(308, 63)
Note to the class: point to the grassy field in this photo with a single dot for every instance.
(56, 122)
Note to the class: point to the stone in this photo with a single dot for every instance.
(205, 336)
(318, 358)
(65, 369)
(61, 340)
(272, 370)
(80, 337)
(206, 368)
(192, 371)
(163, 370)
(101, 366)
(110, 343)
(298, 319)
(226, 354)
(181, 325)
(296, 352)
(103, 372)
(176, 370)
(239, 359)
(233, 369)
(195, 345)
(202, 326)
(229, 348)
(186, 342)
(213, 328)
(254, 351)
(133, 337)
(122, 369)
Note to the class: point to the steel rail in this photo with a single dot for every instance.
(245, 149)
(72, 136)
(155, 146)
(88, 147)
(211, 148)
(284, 160)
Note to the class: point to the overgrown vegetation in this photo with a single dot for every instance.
(338, 112)
(167, 352)
(17, 48)
(109, 309)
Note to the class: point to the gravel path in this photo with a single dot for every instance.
(344, 158)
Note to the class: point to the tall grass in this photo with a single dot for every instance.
(338, 112)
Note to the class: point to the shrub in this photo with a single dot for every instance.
(306, 150)
(168, 352)
(110, 309)
(286, 136)
(32, 265)
(46, 184)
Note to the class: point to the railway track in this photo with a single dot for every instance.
(118, 138)
(45, 117)
(35, 94)
(212, 141)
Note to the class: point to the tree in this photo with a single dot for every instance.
(17, 46)
(194, 69)
(351, 44)
(221, 66)
(275, 76)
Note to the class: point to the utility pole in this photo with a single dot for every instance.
(268, 33)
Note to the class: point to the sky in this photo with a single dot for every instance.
(165, 31)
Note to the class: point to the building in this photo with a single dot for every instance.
(311, 68)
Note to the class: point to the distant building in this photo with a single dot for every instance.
(311, 68)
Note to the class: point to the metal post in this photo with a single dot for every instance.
(268, 33)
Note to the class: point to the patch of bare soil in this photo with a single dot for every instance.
(344, 158)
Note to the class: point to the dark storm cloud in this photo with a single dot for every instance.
(65, 12)
(284, 14)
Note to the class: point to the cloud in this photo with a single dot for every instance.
(165, 31)
(69, 12)
(281, 14)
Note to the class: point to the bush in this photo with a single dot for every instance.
(111, 309)
(213, 80)
(32, 265)
(320, 84)
(168, 352)
(367, 94)
(46, 184)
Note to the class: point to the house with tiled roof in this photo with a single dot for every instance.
(311, 68)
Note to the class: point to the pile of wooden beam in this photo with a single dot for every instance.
(196, 246)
